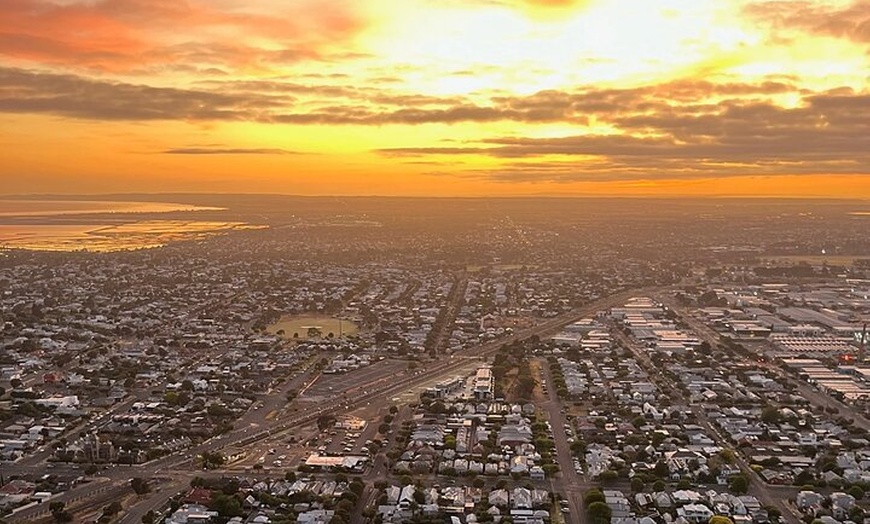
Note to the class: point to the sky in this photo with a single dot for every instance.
(436, 97)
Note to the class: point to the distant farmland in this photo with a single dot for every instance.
(815, 260)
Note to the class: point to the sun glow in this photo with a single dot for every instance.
(425, 96)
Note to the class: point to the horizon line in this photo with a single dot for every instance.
(560, 196)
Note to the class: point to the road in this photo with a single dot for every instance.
(154, 502)
(447, 316)
(767, 494)
(378, 392)
(379, 468)
(567, 481)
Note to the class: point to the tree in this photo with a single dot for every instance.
(325, 421)
(637, 484)
(770, 415)
(593, 495)
(344, 508)
(857, 492)
(113, 508)
(773, 512)
(661, 469)
(139, 485)
(149, 517)
(217, 410)
(437, 407)
(226, 505)
(738, 484)
(212, 459)
(804, 477)
(599, 512)
(357, 487)
(608, 476)
(58, 513)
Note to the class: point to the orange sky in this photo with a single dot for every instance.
(436, 97)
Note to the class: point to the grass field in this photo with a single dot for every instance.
(291, 324)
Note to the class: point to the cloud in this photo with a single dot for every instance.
(23, 91)
(128, 35)
(462, 112)
(228, 151)
(829, 133)
(713, 124)
(678, 129)
(851, 22)
(281, 100)
(424, 151)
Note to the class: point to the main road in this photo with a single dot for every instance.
(379, 392)
(567, 481)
